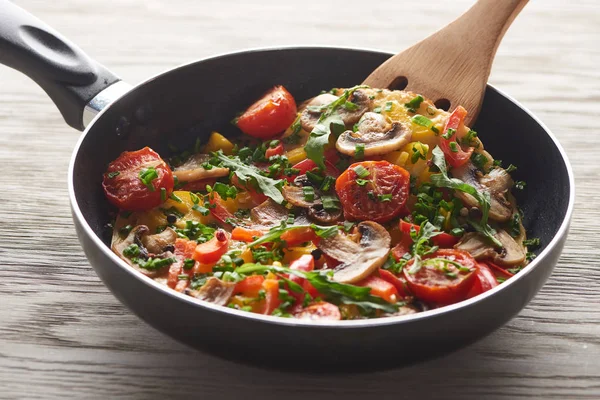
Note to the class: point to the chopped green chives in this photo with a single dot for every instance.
(449, 133)
(173, 196)
(454, 147)
(163, 194)
(361, 171)
(309, 193)
(385, 197)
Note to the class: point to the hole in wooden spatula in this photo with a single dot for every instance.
(399, 83)
(444, 104)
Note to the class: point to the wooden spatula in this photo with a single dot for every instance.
(452, 66)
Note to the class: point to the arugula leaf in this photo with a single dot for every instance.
(442, 180)
(275, 233)
(421, 246)
(329, 122)
(269, 186)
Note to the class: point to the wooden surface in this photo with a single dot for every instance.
(63, 335)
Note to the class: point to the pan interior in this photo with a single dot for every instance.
(189, 102)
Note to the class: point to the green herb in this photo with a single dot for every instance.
(309, 193)
(133, 250)
(163, 195)
(348, 105)
(479, 160)
(457, 232)
(483, 198)
(348, 225)
(359, 151)
(422, 245)
(152, 264)
(385, 197)
(183, 277)
(147, 175)
(361, 171)
(362, 182)
(497, 163)
(414, 104)
(515, 225)
(454, 147)
(188, 263)
(173, 196)
(327, 184)
(371, 195)
(511, 168)
(329, 122)
(520, 185)
(270, 187)
(124, 231)
(225, 191)
(114, 174)
(388, 106)
(421, 120)
(330, 202)
(533, 242)
(275, 233)
(315, 178)
(449, 133)
(377, 110)
(194, 230)
(418, 152)
(394, 266)
(530, 256)
(470, 139)
(435, 130)
(202, 210)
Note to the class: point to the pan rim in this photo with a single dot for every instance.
(343, 324)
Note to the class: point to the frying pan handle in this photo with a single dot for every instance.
(63, 70)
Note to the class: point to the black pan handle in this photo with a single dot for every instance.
(63, 70)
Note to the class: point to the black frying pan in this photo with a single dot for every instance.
(188, 102)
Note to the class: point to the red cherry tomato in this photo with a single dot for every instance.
(485, 280)
(439, 281)
(460, 156)
(401, 248)
(218, 210)
(274, 151)
(398, 282)
(380, 287)
(183, 249)
(442, 240)
(305, 263)
(211, 251)
(124, 188)
(320, 311)
(270, 115)
(381, 198)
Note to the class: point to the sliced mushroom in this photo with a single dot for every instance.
(511, 254)
(135, 237)
(322, 216)
(311, 113)
(295, 196)
(358, 260)
(214, 291)
(192, 170)
(497, 182)
(268, 214)
(160, 242)
(375, 134)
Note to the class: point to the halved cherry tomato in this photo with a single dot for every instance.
(381, 198)
(245, 234)
(305, 263)
(124, 188)
(380, 288)
(442, 240)
(294, 237)
(460, 156)
(218, 210)
(398, 282)
(271, 302)
(270, 115)
(401, 248)
(183, 249)
(485, 280)
(439, 281)
(320, 311)
(498, 271)
(308, 165)
(211, 251)
(257, 198)
(249, 286)
(274, 151)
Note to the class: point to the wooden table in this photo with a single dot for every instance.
(63, 335)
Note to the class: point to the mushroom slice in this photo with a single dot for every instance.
(311, 113)
(358, 260)
(135, 237)
(214, 291)
(497, 182)
(192, 170)
(375, 134)
(295, 196)
(511, 254)
(322, 216)
(268, 214)
(159, 242)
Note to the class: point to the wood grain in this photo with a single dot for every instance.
(63, 335)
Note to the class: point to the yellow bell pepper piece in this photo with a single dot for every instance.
(216, 142)
(293, 253)
(397, 157)
(296, 155)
